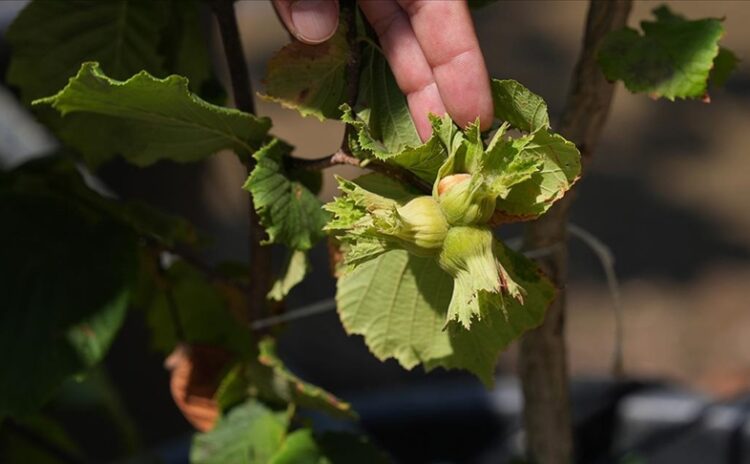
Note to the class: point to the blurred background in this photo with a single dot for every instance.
(668, 193)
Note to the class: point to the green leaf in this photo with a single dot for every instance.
(294, 390)
(560, 169)
(250, 433)
(296, 267)
(520, 107)
(299, 447)
(147, 221)
(389, 118)
(185, 50)
(303, 446)
(310, 78)
(724, 65)
(507, 164)
(67, 273)
(57, 175)
(398, 302)
(672, 59)
(14, 448)
(268, 379)
(147, 119)
(423, 159)
(123, 35)
(204, 314)
(290, 212)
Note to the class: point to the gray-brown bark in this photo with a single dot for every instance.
(543, 364)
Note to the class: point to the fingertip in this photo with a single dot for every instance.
(422, 103)
(486, 110)
(424, 128)
(464, 87)
(315, 21)
(309, 21)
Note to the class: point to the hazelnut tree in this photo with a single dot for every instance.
(422, 276)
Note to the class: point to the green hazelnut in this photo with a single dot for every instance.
(462, 201)
(422, 226)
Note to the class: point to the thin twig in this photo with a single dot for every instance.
(342, 158)
(260, 256)
(313, 309)
(318, 164)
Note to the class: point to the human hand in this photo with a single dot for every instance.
(430, 45)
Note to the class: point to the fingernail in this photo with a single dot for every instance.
(315, 20)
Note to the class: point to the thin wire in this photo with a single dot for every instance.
(607, 260)
(305, 311)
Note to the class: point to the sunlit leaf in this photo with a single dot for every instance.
(147, 119)
(672, 58)
(398, 302)
(249, 433)
(520, 107)
(290, 212)
(296, 267)
(304, 446)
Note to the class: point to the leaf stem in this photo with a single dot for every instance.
(260, 256)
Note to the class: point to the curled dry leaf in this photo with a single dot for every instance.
(196, 371)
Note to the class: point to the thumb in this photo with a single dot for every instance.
(310, 21)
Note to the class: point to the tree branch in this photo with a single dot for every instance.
(230, 39)
(542, 361)
(260, 256)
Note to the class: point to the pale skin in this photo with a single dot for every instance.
(430, 45)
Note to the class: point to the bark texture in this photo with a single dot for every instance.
(542, 363)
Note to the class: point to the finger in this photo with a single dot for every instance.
(446, 35)
(310, 21)
(408, 63)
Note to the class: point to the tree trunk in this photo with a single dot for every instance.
(542, 363)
